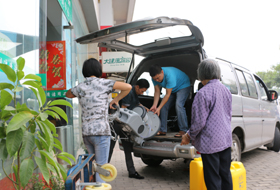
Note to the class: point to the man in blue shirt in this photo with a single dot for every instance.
(177, 85)
(129, 102)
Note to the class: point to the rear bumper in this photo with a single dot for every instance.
(166, 150)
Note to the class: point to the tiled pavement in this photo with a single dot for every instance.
(262, 170)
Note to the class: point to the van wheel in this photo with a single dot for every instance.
(235, 148)
(276, 143)
(152, 162)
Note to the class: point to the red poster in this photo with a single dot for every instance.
(53, 63)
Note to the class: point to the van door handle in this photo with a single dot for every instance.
(263, 120)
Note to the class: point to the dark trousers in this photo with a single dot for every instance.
(216, 168)
(127, 146)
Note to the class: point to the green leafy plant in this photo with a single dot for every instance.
(24, 131)
(35, 183)
(57, 183)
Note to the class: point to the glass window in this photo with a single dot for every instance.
(251, 85)
(161, 33)
(19, 37)
(260, 85)
(228, 78)
(150, 91)
(197, 86)
(242, 82)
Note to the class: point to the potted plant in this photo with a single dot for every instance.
(24, 131)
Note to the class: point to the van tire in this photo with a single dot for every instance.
(152, 162)
(235, 148)
(276, 141)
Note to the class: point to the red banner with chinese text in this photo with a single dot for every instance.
(53, 63)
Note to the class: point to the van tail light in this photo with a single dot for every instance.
(197, 152)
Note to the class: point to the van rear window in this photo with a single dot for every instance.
(161, 33)
(150, 91)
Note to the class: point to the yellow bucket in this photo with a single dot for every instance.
(104, 186)
(196, 175)
(238, 174)
(237, 170)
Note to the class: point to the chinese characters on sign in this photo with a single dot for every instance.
(56, 94)
(113, 62)
(52, 62)
(117, 60)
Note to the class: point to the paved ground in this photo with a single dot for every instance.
(262, 170)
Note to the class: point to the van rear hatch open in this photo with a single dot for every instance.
(186, 36)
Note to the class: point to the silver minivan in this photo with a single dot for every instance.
(178, 43)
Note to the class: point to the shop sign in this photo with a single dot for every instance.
(66, 6)
(52, 61)
(56, 94)
(113, 62)
(7, 61)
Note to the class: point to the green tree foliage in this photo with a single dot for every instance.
(271, 77)
(24, 131)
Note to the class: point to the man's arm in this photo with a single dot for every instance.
(156, 98)
(69, 94)
(165, 98)
(163, 101)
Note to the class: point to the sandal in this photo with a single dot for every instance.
(180, 134)
(160, 133)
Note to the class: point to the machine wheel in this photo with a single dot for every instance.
(152, 162)
(276, 141)
(112, 170)
(235, 148)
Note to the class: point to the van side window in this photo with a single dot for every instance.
(251, 85)
(228, 78)
(261, 89)
(242, 82)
